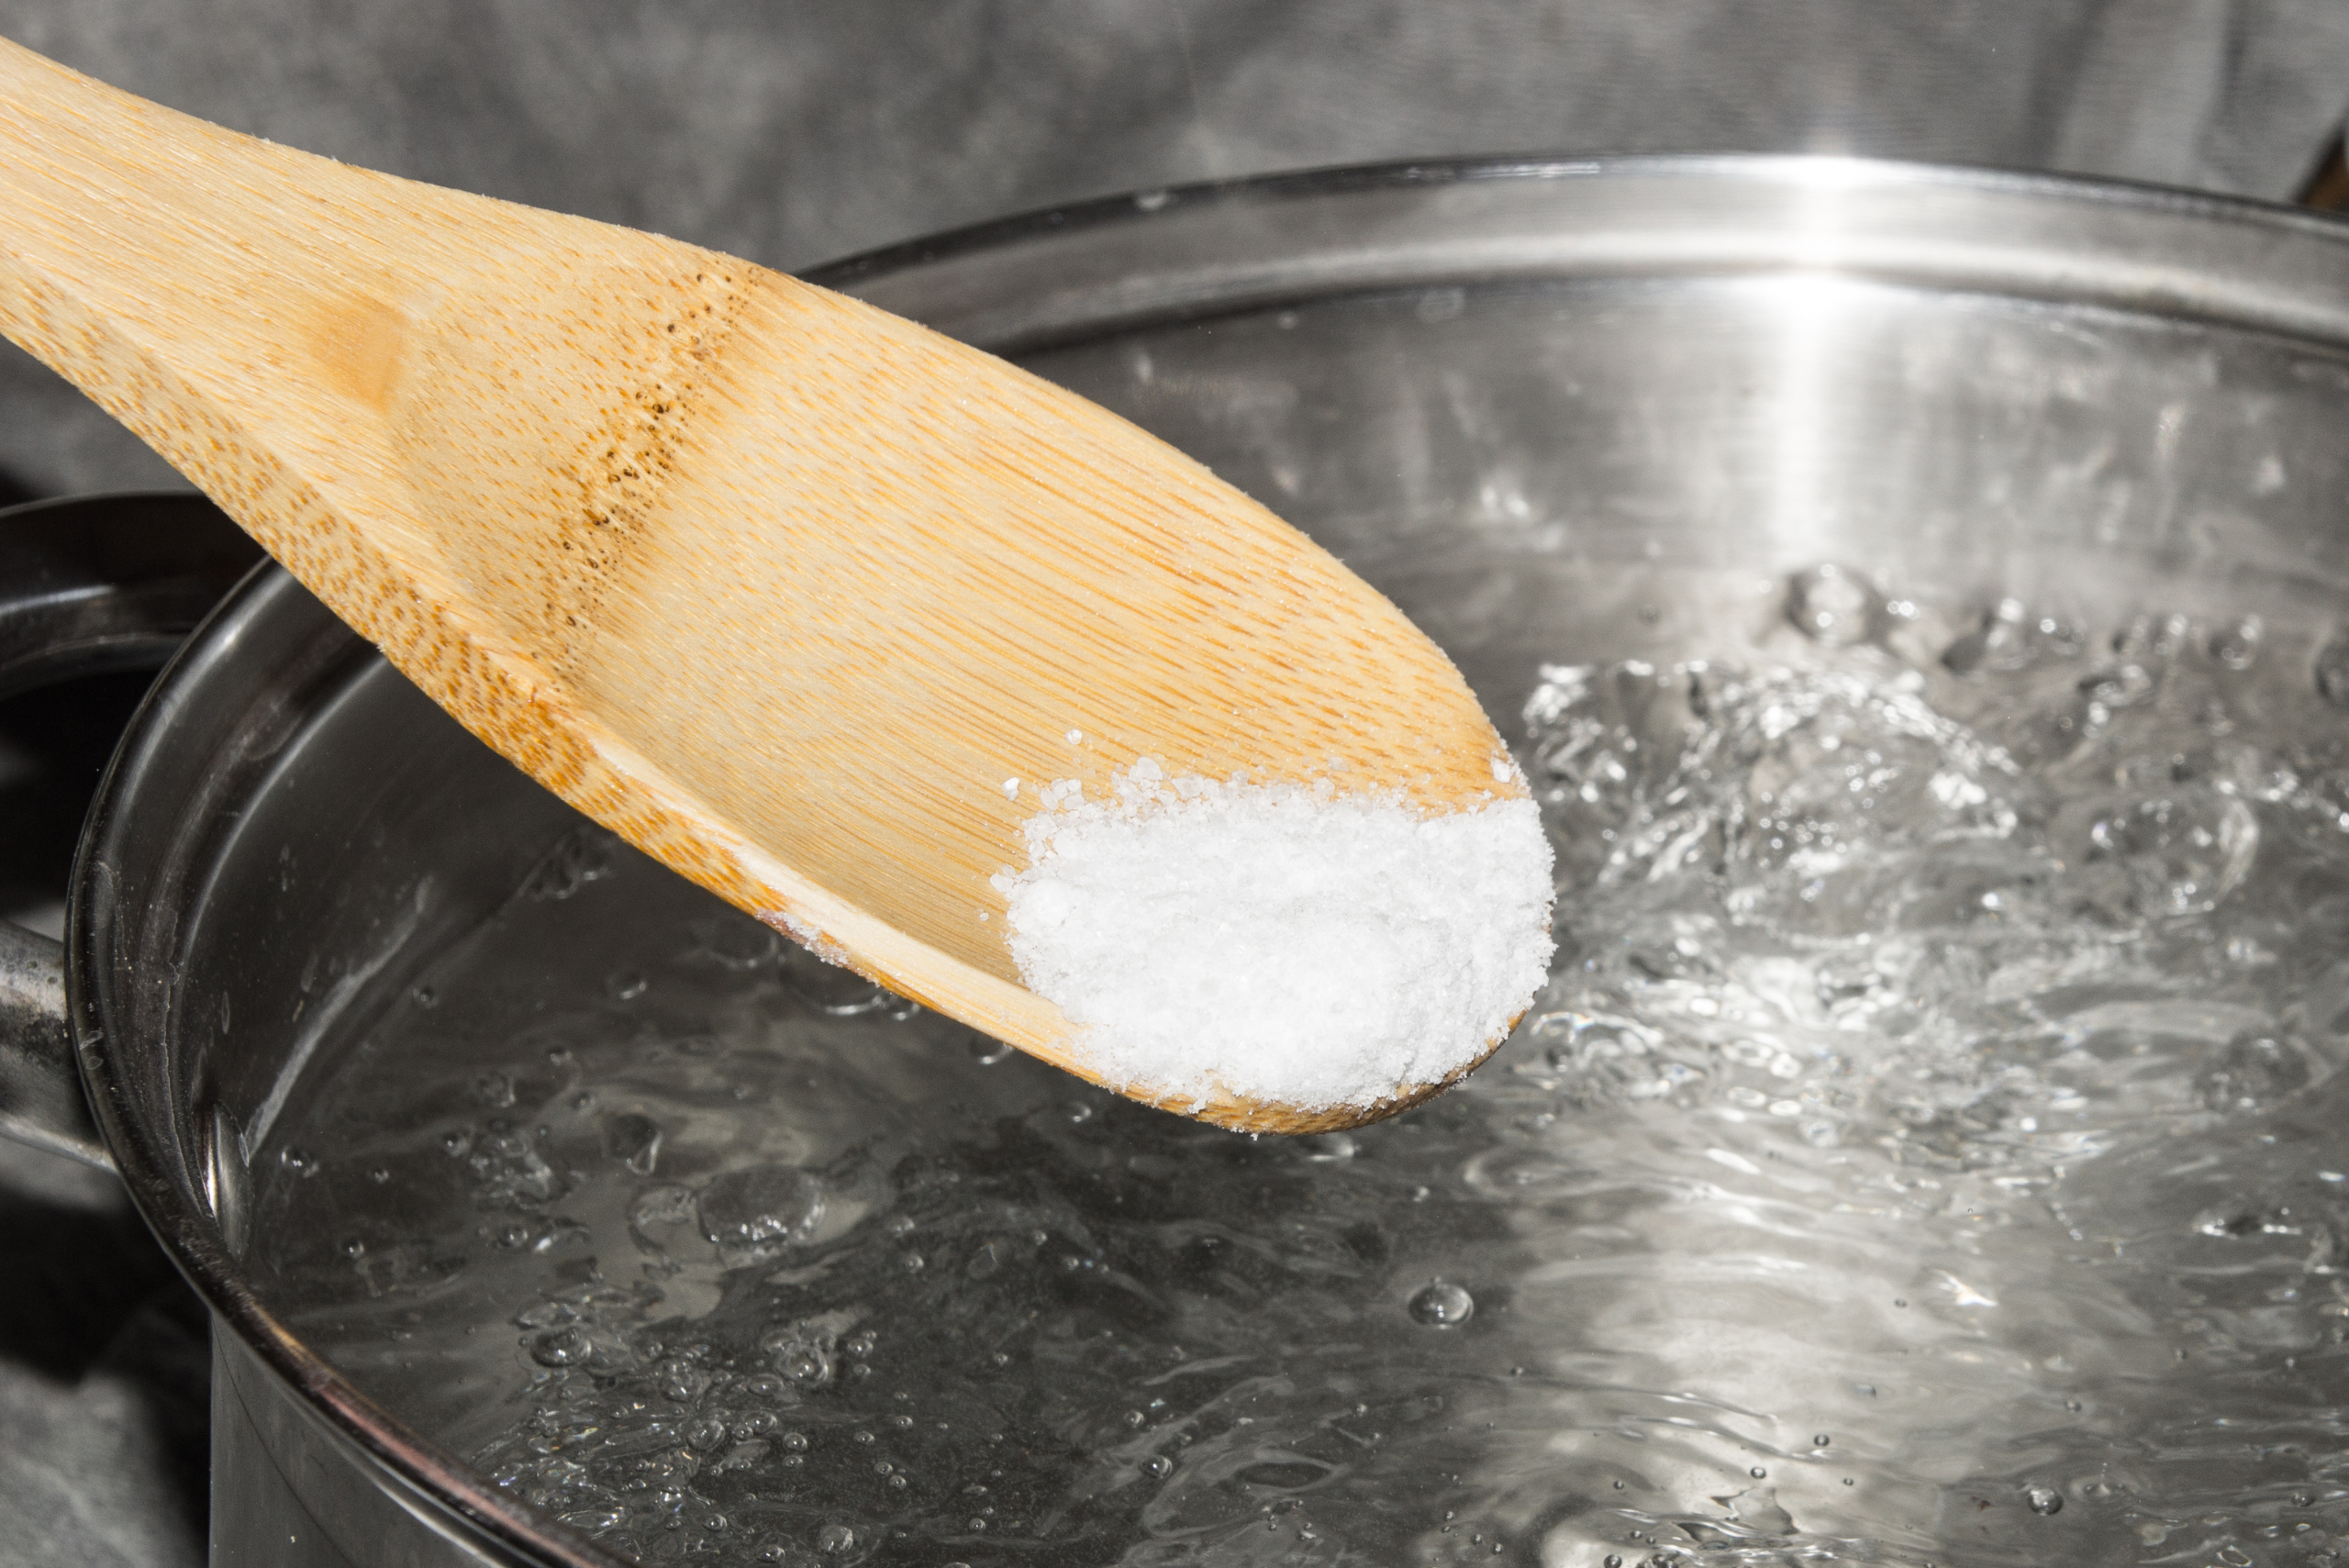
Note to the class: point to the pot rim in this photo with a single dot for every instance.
(176, 1195)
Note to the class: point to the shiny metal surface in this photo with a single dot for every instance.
(88, 585)
(1475, 383)
(288, 830)
(40, 1093)
(289, 1491)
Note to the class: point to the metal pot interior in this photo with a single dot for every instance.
(1560, 414)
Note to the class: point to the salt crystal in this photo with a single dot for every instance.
(1278, 944)
(1011, 788)
(808, 935)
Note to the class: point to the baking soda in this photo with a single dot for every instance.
(1279, 944)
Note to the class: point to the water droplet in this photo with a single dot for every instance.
(795, 1442)
(2045, 1500)
(561, 1347)
(1834, 606)
(836, 1539)
(1441, 1304)
(1819, 1440)
(425, 996)
(354, 1247)
(299, 1162)
(1758, 1474)
(625, 985)
(379, 1174)
(1328, 1148)
(1613, 1559)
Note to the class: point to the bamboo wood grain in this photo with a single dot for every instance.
(778, 586)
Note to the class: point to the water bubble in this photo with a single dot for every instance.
(759, 1208)
(800, 1357)
(2152, 637)
(2332, 671)
(354, 1247)
(1819, 1440)
(1441, 1304)
(1326, 1148)
(582, 856)
(1834, 606)
(379, 1174)
(836, 1539)
(1440, 305)
(424, 996)
(299, 1162)
(1613, 1559)
(625, 985)
(633, 1140)
(830, 988)
(2236, 646)
(1758, 1474)
(2001, 642)
(735, 941)
(680, 1380)
(2123, 686)
(562, 1347)
(2254, 1069)
(795, 1442)
(2045, 1500)
(494, 1090)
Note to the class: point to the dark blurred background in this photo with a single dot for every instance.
(798, 131)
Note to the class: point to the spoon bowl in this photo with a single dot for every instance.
(803, 599)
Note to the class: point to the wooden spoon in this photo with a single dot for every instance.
(776, 586)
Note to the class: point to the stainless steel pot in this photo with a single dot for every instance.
(1471, 379)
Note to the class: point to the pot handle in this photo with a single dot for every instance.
(87, 586)
(40, 1092)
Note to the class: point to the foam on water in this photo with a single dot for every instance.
(1928, 1147)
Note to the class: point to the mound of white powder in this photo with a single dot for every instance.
(1279, 944)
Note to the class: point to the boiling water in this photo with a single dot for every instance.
(1928, 1150)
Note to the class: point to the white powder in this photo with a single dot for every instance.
(1278, 944)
